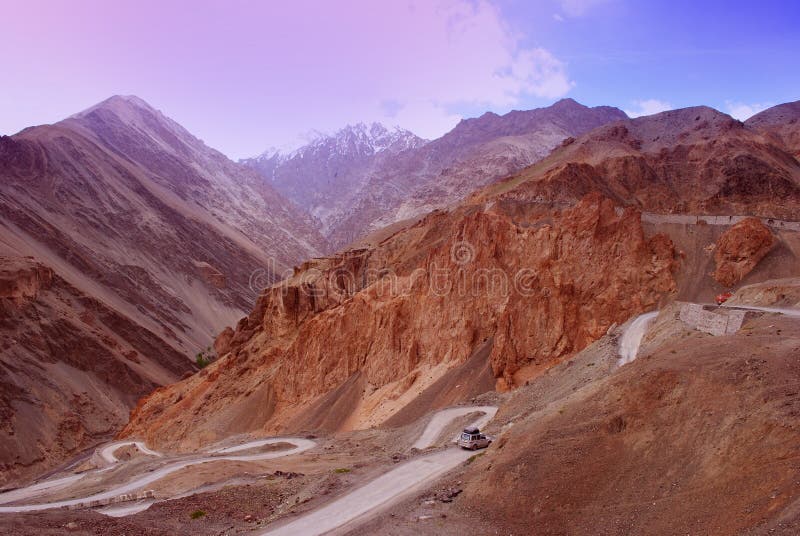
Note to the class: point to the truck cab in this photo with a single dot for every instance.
(471, 438)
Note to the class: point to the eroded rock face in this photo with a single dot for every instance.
(223, 341)
(740, 249)
(544, 284)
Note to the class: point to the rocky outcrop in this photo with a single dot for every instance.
(22, 279)
(223, 341)
(400, 315)
(740, 249)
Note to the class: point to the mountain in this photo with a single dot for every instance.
(497, 289)
(782, 122)
(354, 188)
(324, 176)
(146, 244)
(351, 340)
(693, 160)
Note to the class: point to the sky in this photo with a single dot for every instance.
(247, 75)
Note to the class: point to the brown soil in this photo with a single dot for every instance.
(701, 436)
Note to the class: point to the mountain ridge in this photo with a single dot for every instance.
(140, 224)
(691, 160)
(379, 189)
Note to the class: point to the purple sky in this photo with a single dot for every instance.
(246, 75)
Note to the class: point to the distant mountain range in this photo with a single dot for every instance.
(327, 176)
(693, 160)
(366, 177)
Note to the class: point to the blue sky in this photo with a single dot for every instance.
(723, 54)
(245, 75)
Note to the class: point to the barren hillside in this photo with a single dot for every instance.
(130, 212)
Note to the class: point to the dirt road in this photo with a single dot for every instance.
(300, 445)
(355, 506)
(107, 452)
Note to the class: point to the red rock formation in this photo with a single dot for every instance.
(740, 249)
(400, 315)
(693, 160)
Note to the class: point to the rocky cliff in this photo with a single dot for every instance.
(385, 323)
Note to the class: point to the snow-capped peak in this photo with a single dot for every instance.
(359, 139)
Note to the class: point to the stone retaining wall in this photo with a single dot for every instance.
(715, 321)
(695, 219)
(125, 497)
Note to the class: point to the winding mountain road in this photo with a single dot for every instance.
(635, 332)
(386, 489)
(300, 445)
(347, 510)
(442, 418)
(107, 452)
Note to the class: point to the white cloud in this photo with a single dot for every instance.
(557, 17)
(742, 111)
(424, 118)
(464, 53)
(648, 107)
